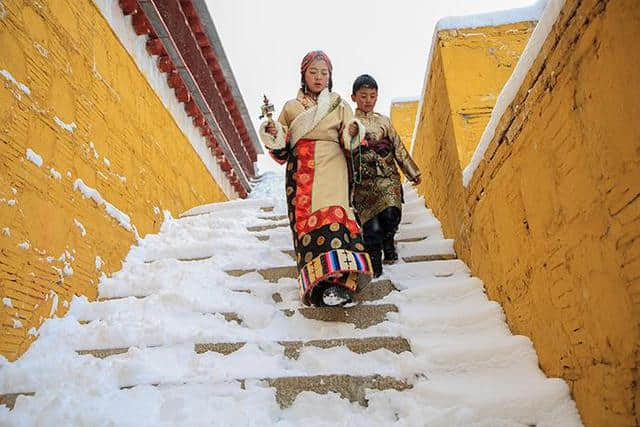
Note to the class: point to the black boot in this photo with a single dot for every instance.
(375, 253)
(389, 249)
(335, 295)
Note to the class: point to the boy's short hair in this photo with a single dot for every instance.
(365, 81)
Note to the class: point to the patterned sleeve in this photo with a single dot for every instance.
(402, 156)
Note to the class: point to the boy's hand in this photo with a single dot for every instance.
(353, 130)
(271, 129)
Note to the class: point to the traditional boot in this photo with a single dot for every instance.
(335, 295)
(389, 249)
(375, 252)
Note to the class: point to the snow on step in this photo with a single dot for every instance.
(187, 363)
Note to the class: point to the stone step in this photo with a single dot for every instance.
(291, 348)
(288, 388)
(267, 209)
(258, 228)
(421, 258)
(372, 291)
(361, 316)
(272, 274)
(263, 237)
(9, 399)
(349, 387)
(274, 217)
(411, 239)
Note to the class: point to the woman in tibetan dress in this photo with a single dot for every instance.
(316, 135)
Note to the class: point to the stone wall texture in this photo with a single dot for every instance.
(76, 112)
(551, 218)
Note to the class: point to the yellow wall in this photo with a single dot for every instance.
(403, 118)
(473, 91)
(551, 219)
(76, 70)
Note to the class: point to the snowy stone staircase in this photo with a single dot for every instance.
(203, 325)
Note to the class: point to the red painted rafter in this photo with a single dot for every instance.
(245, 152)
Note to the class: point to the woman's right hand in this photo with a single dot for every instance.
(271, 129)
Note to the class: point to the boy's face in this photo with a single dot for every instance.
(366, 99)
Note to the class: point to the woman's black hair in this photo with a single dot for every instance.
(365, 81)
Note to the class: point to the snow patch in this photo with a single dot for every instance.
(34, 157)
(122, 218)
(510, 89)
(14, 191)
(69, 174)
(41, 49)
(11, 202)
(54, 173)
(69, 127)
(106, 162)
(67, 270)
(7, 302)
(93, 148)
(7, 75)
(33, 332)
(99, 262)
(6, 231)
(24, 245)
(54, 303)
(78, 224)
(17, 323)
(491, 19)
(156, 210)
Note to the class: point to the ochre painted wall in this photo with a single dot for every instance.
(473, 91)
(403, 118)
(120, 141)
(551, 219)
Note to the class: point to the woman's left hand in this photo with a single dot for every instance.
(353, 129)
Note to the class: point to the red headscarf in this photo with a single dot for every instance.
(312, 56)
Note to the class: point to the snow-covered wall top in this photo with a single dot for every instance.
(529, 13)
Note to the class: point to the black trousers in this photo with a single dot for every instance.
(381, 227)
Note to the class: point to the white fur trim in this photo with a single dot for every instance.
(357, 140)
(271, 142)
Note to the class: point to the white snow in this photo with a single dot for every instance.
(7, 302)
(6, 231)
(106, 162)
(41, 49)
(11, 202)
(490, 19)
(509, 91)
(93, 148)
(156, 210)
(34, 157)
(78, 224)
(99, 262)
(7, 75)
(14, 191)
(69, 127)
(32, 332)
(530, 13)
(54, 173)
(54, 303)
(17, 323)
(122, 218)
(24, 245)
(465, 366)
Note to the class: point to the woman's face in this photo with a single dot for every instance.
(316, 77)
